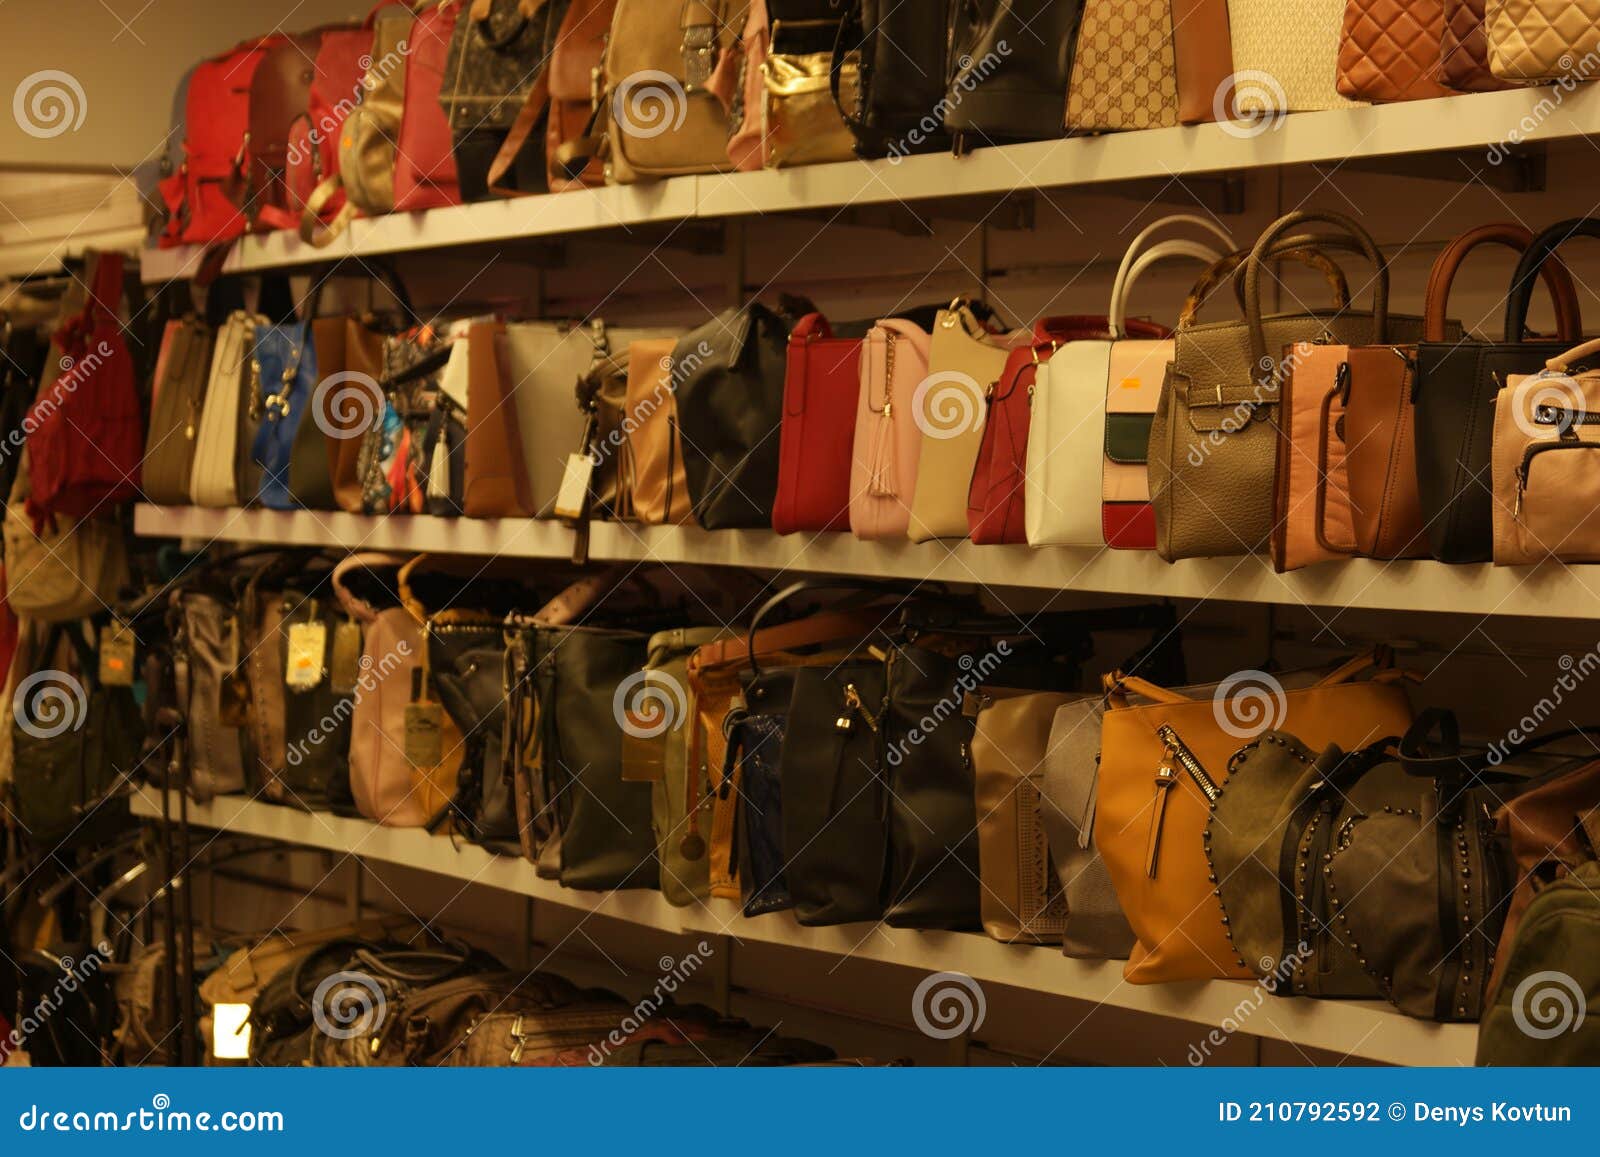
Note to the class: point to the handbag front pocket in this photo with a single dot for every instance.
(1556, 512)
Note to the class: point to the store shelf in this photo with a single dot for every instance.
(1554, 591)
(1361, 1030)
(1470, 121)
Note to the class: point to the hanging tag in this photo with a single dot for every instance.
(116, 655)
(573, 496)
(344, 668)
(308, 648)
(424, 734)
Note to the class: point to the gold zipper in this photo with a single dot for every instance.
(1176, 757)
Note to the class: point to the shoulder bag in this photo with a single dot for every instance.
(285, 365)
(1010, 63)
(1536, 41)
(1124, 68)
(280, 97)
(579, 54)
(800, 122)
(1457, 382)
(496, 482)
(1464, 49)
(214, 478)
(821, 385)
(424, 166)
(1285, 55)
(1390, 50)
(323, 473)
(1165, 761)
(1313, 519)
(175, 411)
(342, 63)
(904, 60)
(660, 489)
(887, 444)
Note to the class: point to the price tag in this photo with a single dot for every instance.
(573, 496)
(344, 668)
(424, 734)
(116, 655)
(308, 649)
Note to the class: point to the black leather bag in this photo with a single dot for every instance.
(904, 51)
(728, 381)
(471, 688)
(316, 719)
(1454, 391)
(755, 744)
(1010, 64)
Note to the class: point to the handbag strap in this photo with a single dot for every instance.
(811, 631)
(1540, 251)
(812, 325)
(1306, 249)
(354, 605)
(1324, 426)
(1129, 275)
(1560, 363)
(1347, 227)
(1569, 318)
(1116, 684)
(1142, 244)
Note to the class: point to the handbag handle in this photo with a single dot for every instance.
(1569, 317)
(1540, 251)
(1116, 684)
(483, 10)
(1579, 353)
(812, 326)
(1338, 390)
(1128, 276)
(354, 605)
(1138, 246)
(874, 588)
(1306, 249)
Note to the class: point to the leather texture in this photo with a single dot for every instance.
(1202, 58)
(579, 51)
(821, 387)
(285, 364)
(68, 569)
(349, 399)
(883, 460)
(1066, 447)
(904, 57)
(210, 653)
(313, 153)
(660, 492)
(1312, 521)
(1021, 901)
(1457, 382)
(1390, 50)
(497, 484)
(424, 166)
(1124, 69)
(800, 122)
(1283, 55)
(1152, 837)
(280, 96)
(1539, 40)
(1010, 62)
(1380, 460)
(1464, 48)
(180, 392)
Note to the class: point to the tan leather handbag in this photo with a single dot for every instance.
(1390, 50)
(1531, 41)
(180, 391)
(965, 361)
(1545, 475)
(497, 475)
(1313, 491)
(1124, 68)
(1021, 899)
(349, 399)
(660, 491)
(1464, 49)
(1378, 430)
(1164, 759)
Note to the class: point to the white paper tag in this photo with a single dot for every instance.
(574, 493)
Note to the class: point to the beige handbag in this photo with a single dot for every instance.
(1124, 67)
(660, 490)
(1285, 57)
(175, 412)
(1541, 40)
(1546, 477)
(964, 362)
(69, 569)
(213, 480)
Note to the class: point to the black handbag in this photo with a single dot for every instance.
(316, 718)
(469, 676)
(755, 744)
(1456, 384)
(1010, 64)
(728, 382)
(903, 49)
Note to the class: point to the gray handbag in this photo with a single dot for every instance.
(207, 653)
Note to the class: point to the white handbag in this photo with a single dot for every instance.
(214, 479)
(1285, 57)
(542, 361)
(1063, 484)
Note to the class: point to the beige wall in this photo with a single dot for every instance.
(126, 57)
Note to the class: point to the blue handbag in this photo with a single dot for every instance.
(286, 367)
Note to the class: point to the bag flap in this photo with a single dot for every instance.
(1128, 438)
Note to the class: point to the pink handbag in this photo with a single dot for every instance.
(883, 466)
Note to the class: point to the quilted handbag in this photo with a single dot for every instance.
(883, 456)
(424, 166)
(1124, 67)
(1283, 57)
(1464, 49)
(1531, 41)
(1391, 50)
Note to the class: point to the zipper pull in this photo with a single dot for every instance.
(1522, 485)
(1166, 780)
(853, 706)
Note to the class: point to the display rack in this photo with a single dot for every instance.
(1356, 1029)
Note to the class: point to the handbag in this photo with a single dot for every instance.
(1213, 443)
(965, 360)
(495, 93)
(323, 472)
(1009, 66)
(660, 489)
(887, 442)
(1390, 50)
(180, 393)
(1072, 434)
(1464, 49)
(424, 163)
(1124, 67)
(799, 121)
(496, 482)
(727, 384)
(821, 385)
(1284, 54)
(1313, 521)
(904, 56)
(285, 364)
(1457, 382)
(214, 477)
(280, 97)
(206, 652)
(579, 54)
(65, 570)
(345, 56)
(1545, 484)
(392, 465)
(1533, 41)
(1152, 838)
(1021, 899)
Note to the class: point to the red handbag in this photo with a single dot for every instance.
(820, 387)
(85, 430)
(204, 199)
(994, 502)
(336, 86)
(424, 166)
(280, 95)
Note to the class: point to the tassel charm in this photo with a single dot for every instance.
(439, 467)
(881, 476)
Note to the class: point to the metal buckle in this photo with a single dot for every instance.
(699, 54)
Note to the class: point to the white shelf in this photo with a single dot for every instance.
(1552, 591)
(1469, 121)
(1365, 1030)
